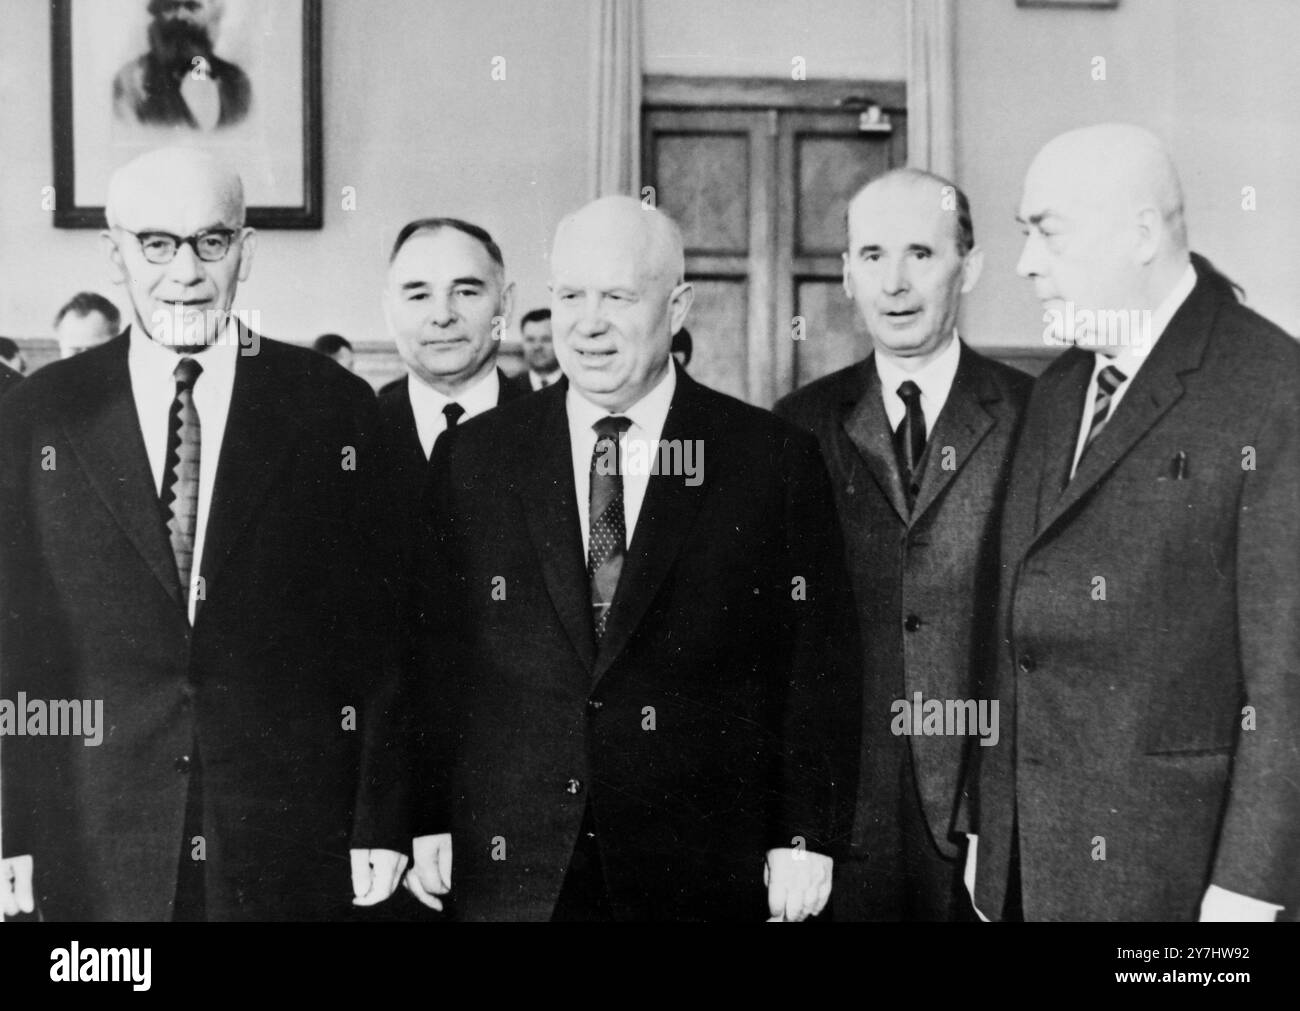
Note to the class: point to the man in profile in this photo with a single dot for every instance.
(186, 540)
(181, 82)
(1149, 664)
(639, 692)
(539, 352)
(918, 436)
(85, 321)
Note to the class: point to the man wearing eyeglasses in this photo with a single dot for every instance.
(184, 544)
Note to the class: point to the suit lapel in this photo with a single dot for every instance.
(261, 429)
(960, 427)
(666, 516)
(1155, 389)
(867, 427)
(1064, 413)
(550, 510)
(105, 436)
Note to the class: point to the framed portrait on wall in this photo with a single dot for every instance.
(241, 78)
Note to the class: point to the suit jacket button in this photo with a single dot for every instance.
(595, 705)
(1027, 664)
(183, 764)
(573, 786)
(911, 623)
(849, 490)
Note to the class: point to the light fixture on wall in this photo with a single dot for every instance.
(871, 117)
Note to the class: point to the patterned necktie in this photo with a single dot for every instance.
(607, 536)
(180, 499)
(909, 440)
(1108, 381)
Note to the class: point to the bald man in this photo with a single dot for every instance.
(918, 438)
(1149, 676)
(640, 682)
(184, 562)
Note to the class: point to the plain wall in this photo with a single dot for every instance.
(412, 120)
(1218, 79)
(759, 38)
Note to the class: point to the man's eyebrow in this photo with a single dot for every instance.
(1036, 219)
(412, 285)
(470, 280)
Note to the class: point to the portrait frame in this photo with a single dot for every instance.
(295, 201)
(1071, 4)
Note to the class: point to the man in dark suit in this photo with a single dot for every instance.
(447, 303)
(539, 353)
(1149, 674)
(183, 543)
(640, 682)
(920, 523)
(12, 365)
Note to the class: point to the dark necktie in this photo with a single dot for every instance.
(909, 440)
(180, 499)
(453, 412)
(607, 535)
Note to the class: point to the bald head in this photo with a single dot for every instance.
(645, 234)
(617, 297)
(1116, 170)
(914, 182)
(173, 180)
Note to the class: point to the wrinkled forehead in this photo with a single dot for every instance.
(613, 252)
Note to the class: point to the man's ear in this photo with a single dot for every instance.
(679, 304)
(1150, 233)
(117, 266)
(844, 276)
(508, 302)
(247, 247)
(971, 268)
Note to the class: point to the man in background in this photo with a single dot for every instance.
(1149, 618)
(918, 437)
(335, 346)
(86, 321)
(12, 365)
(539, 353)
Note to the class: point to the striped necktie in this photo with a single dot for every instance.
(1109, 380)
(180, 499)
(607, 534)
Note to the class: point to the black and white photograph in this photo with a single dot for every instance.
(651, 461)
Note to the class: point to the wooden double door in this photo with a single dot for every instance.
(758, 175)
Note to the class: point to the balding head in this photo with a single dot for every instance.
(175, 178)
(618, 296)
(179, 200)
(1102, 209)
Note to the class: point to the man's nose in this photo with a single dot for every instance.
(441, 313)
(591, 317)
(896, 279)
(186, 267)
(1028, 264)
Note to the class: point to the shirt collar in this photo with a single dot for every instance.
(935, 378)
(156, 363)
(648, 414)
(480, 397)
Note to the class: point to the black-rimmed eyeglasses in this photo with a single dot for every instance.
(209, 245)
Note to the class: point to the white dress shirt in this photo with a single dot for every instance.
(647, 416)
(1129, 359)
(152, 369)
(935, 379)
(541, 380)
(427, 404)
